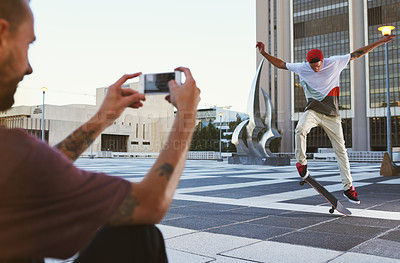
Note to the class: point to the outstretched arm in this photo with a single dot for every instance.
(273, 60)
(149, 200)
(115, 102)
(364, 50)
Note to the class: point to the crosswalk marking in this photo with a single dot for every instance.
(134, 170)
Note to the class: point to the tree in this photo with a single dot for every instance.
(207, 138)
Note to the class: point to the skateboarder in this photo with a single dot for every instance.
(319, 78)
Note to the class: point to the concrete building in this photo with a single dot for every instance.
(290, 28)
(207, 115)
(142, 131)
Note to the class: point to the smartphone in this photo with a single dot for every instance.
(157, 83)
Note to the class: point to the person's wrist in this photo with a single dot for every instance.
(383, 40)
(188, 117)
(102, 120)
(188, 113)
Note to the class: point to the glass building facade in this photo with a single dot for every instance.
(339, 27)
(383, 12)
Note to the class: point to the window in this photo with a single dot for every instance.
(114, 143)
(383, 12)
(378, 133)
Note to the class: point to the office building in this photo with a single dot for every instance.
(290, 28)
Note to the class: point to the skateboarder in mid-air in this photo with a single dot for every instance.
(320, 80)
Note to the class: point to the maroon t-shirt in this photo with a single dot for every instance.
(48, 207)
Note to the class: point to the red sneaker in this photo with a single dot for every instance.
(303, 171)
(352, 195)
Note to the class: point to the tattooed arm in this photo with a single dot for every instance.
(149, 200)
(78, 141)
(364, 50)
(115, 102)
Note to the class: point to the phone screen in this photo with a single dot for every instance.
(157, 83)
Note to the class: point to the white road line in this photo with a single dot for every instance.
(323, 209)
(228, 186)
(392, 181)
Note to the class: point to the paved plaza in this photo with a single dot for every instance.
(245, 213)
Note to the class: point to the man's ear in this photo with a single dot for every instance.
(4, 31)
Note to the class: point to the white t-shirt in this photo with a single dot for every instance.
(319, 85)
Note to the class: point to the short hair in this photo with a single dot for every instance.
(315, 60)
(13, 11)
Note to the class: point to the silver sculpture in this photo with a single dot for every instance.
(260, 111)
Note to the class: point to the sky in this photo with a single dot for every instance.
(84, 45)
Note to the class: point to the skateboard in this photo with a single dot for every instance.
(327, 195)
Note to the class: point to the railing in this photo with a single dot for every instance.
(200, 155)
(109, 154)
(357, 156)
(325, 155)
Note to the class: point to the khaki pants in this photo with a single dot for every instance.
(333, 128)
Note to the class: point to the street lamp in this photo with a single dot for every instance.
(386, 30)
(220, 135)
(44, 92)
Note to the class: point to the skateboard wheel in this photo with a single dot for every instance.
(301, 182)
(331, 210)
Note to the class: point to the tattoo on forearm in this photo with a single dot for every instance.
(76, 143)
(166, 170)
(124, 214)
(357, 54)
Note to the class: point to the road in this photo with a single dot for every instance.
(247, 213)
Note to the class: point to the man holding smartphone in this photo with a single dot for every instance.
(50, 208)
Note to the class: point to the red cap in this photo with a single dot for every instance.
(314, 53)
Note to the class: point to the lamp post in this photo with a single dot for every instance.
(44, 92)
(220, 136)
(386, 32)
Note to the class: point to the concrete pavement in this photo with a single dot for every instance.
(236, 213)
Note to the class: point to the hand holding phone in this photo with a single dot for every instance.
(187, 96)
(157, 83)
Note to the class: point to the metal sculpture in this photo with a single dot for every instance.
(258, 127)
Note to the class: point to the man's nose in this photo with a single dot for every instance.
(29, 70)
